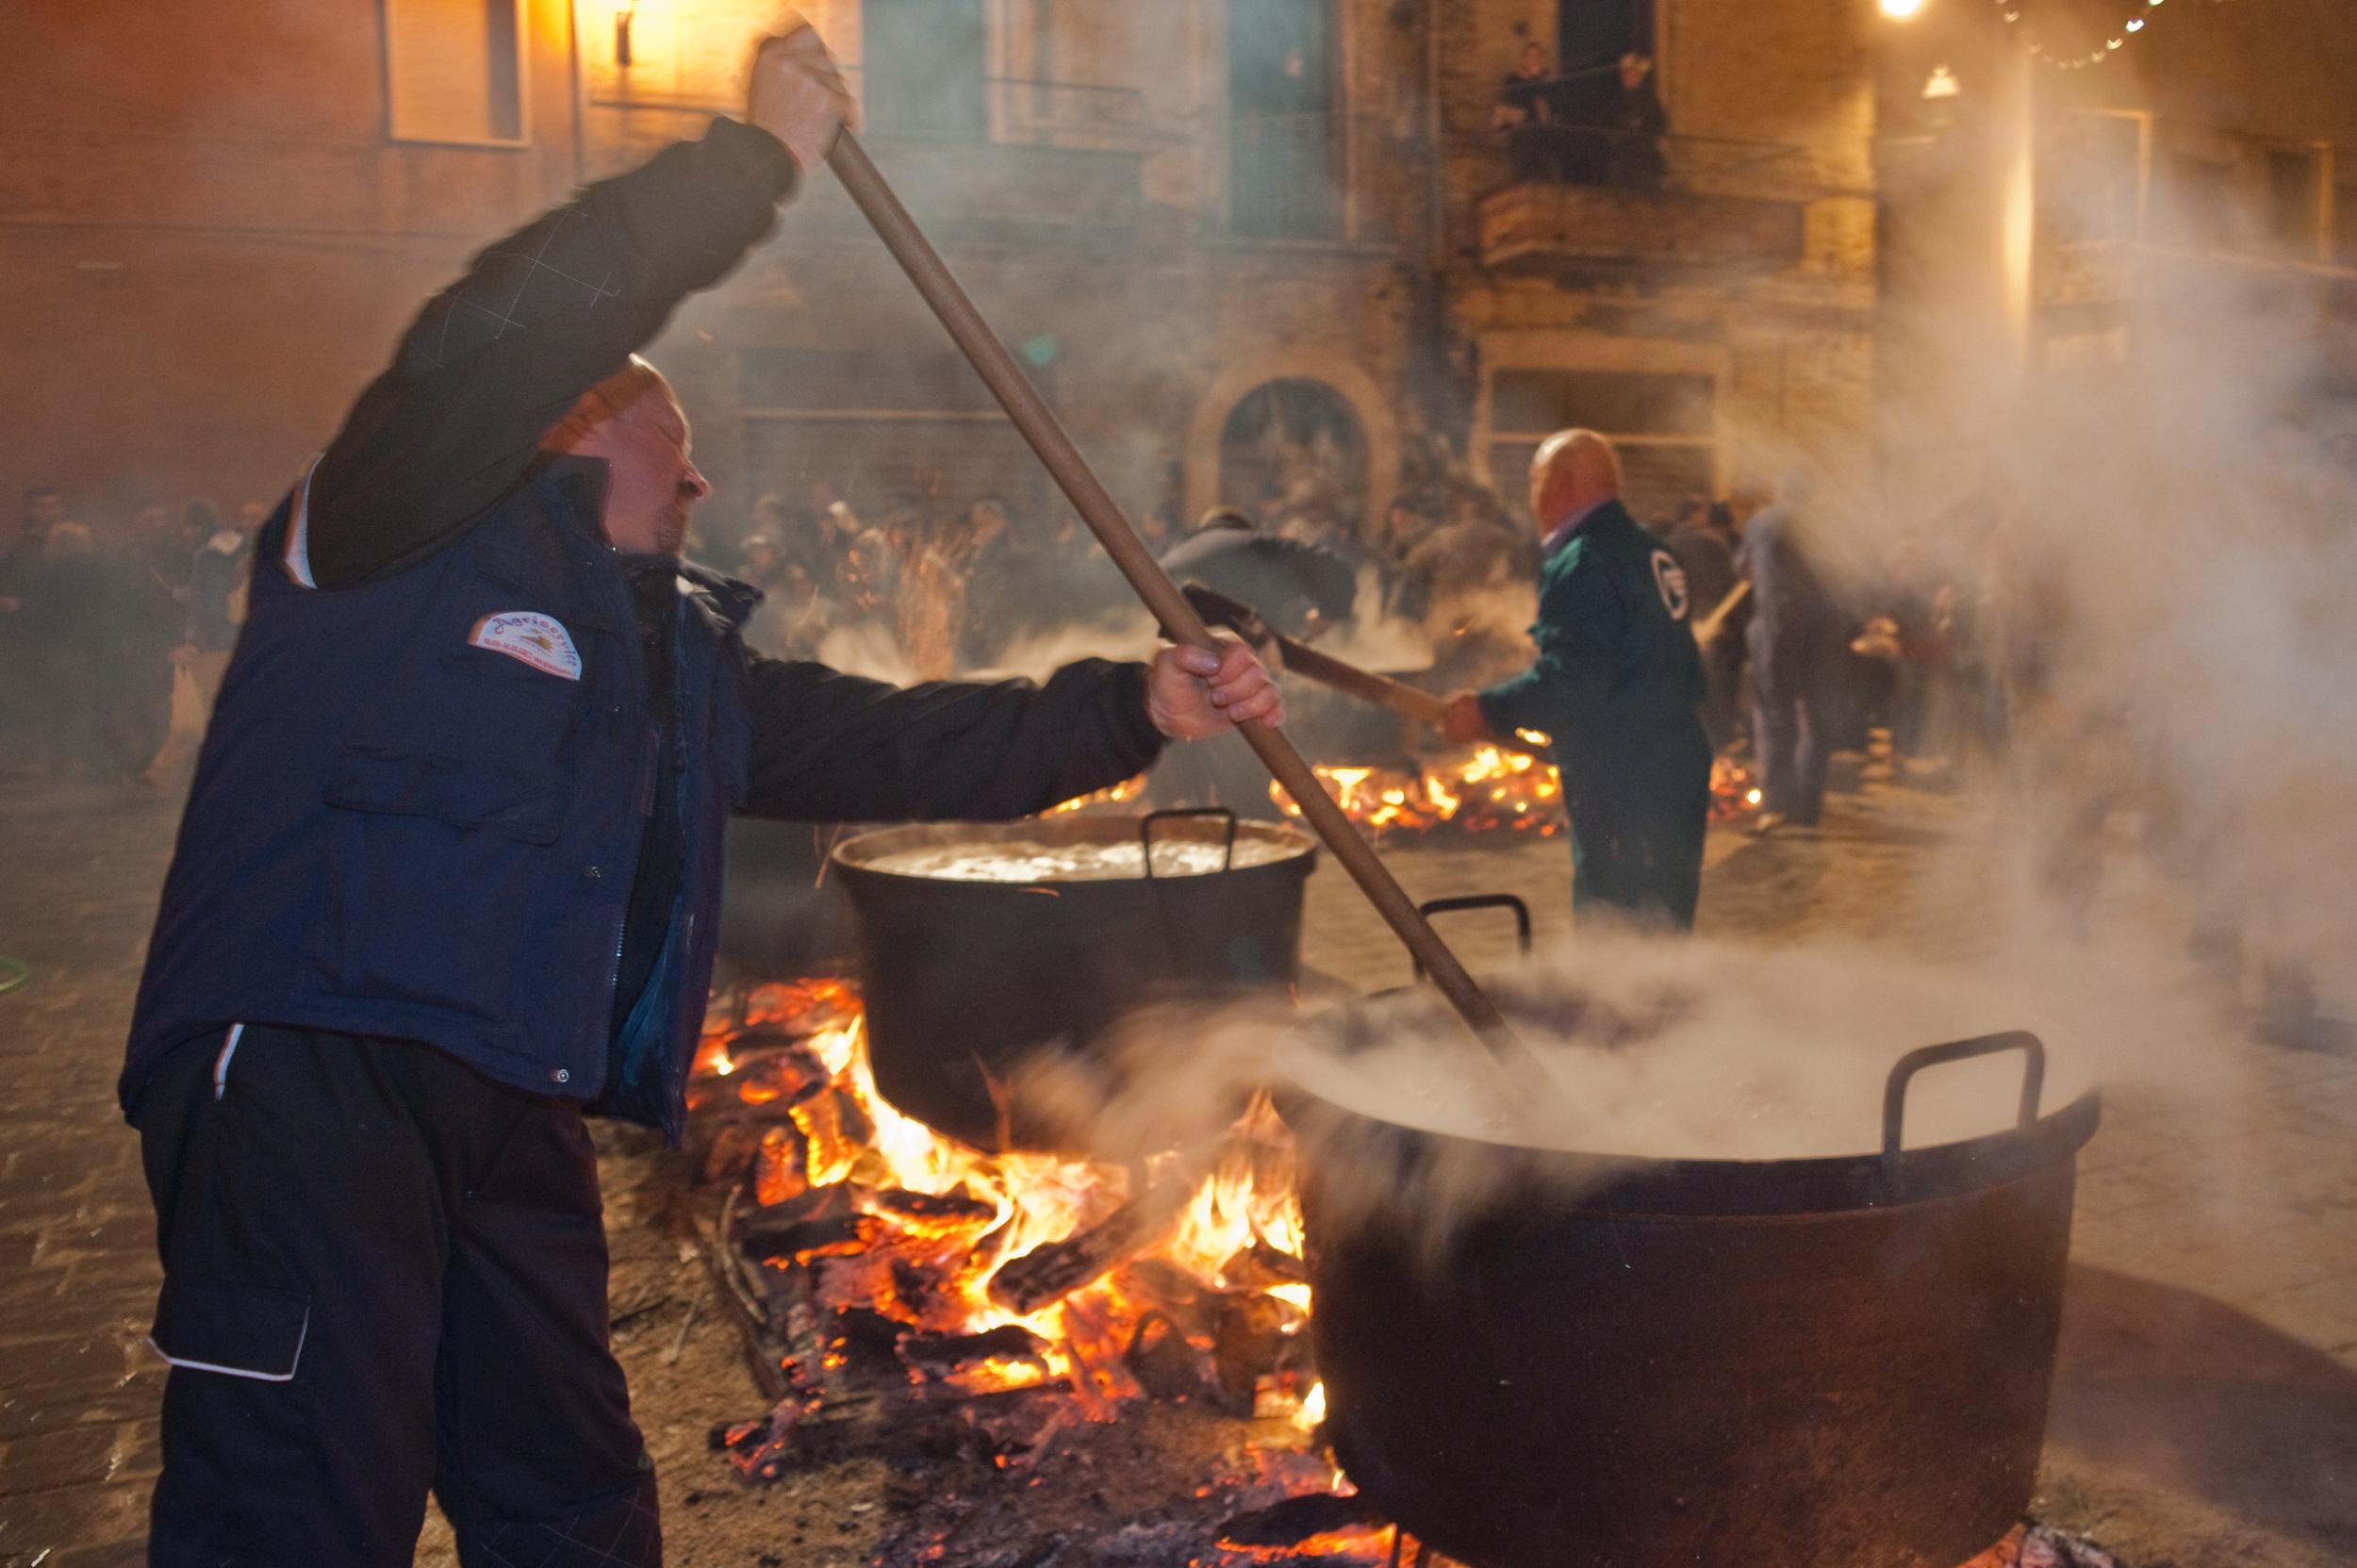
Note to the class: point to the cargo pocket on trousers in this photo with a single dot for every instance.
(240, 1330)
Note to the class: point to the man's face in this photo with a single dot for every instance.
(652, 482)
(1534, 61)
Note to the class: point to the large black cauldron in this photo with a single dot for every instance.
(964, 979)
(1641, 1363)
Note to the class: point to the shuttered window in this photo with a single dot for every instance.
(454, 70)
(1664, 426)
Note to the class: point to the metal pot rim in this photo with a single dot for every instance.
(1578, 1180)
(856, 854)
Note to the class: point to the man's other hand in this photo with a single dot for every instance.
(1466, 721)
(798, 95)
(1193, 693)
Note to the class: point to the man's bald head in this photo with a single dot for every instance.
(1573, 470)
(633, 421)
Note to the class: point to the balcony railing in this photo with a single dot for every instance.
(1587, 199)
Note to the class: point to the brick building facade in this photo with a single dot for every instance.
(216, 217)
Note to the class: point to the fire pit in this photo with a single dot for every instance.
(1161, 1410)
(1634, 1362)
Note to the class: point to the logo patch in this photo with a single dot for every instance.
(541, 641)
(1669, 578)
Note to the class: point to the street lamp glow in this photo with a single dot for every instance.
(1901, 10)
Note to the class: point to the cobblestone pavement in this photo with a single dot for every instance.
(2205, 1410)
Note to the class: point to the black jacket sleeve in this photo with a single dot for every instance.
(834, 748)
(495, 360)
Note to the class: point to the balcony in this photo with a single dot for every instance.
(1615, 204)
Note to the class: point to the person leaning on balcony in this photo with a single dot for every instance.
(1637, 123)
(449, 879)
(1616, 687)
(1526, 111)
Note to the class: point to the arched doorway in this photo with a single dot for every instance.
(1293, 448)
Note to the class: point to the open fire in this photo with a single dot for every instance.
(1004, 1330)
(1486, 789)
(919, 1291)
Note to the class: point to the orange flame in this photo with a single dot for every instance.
(988, 1210)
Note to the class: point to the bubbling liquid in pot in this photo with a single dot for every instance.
(1025, 862)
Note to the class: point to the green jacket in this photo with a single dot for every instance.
(1618, 681)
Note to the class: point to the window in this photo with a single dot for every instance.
(924, 65)
(2089, 179)
(1284, 147)
(1664, 426)
(2206, 200)
(2294, 193)
(2345, 225)
(454, 70)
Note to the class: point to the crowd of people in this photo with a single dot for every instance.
(112, 643)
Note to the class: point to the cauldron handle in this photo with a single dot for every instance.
(1481, 901)
(1145, 832)
(1895, 1090)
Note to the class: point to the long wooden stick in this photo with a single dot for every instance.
(1217, 609)
(1046, 433)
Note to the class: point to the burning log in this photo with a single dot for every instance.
(1261, 1266)
(804, 1241)
(939, 1355)
(1287, 1524)
(1160, 1359)
(956, 1206)
(1248, 1342)
(1048, 1274)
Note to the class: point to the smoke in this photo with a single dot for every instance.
(2152, 671)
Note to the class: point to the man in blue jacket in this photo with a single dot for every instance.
(1616, 687)
(450, 877)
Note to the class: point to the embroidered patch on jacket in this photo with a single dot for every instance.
(1669, 578)
(541, 641)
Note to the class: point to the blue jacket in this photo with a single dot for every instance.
(1618, 683)
(398, 830)
(418, 807)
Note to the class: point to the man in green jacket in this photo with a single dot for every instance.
(1617, 686)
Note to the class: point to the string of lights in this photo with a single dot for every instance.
(2141, 14)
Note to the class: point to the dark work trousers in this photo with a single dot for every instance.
(1642, 863)
(1791, 731)
(384, 1273)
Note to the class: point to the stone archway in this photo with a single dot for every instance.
(1352, 388)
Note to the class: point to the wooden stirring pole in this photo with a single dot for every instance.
(1041, 428)
(1217, 609)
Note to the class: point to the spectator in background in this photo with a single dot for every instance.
(21, 572)
(1704, 542)
(75, 628)
(1797, 646)
(1638, 122)
(1528, 111)
(217, 579)
(148, 578)
(1297, 588)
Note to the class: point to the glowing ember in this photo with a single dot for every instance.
(916, 1227)
(1118, 795)
(1487, 789)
